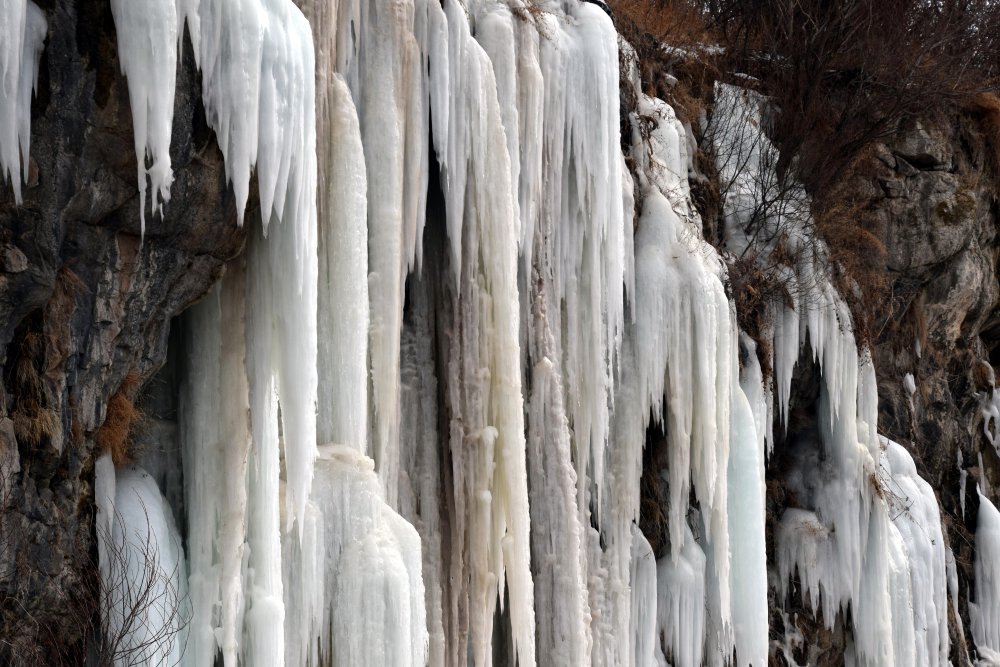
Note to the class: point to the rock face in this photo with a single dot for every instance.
(938, 219)
(86, 302)
(932, 201)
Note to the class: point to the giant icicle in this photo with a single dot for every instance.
(23, 27)
(148, 38)
(984, 611)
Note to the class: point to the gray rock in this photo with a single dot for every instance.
(13, 260)
(85, 301)
(926, 147)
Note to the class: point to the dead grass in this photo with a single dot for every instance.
(756, 286)
(531, 13)
(671, 39)
(115, 435)
(34, 422)
(843, 217)
(984, 111)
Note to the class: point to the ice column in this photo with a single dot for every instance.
(198, 409)
(23, 27)
(985, 611)
(343, 286)
(215, 450)
(385, 80)
(745, 477)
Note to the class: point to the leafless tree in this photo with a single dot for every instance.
(143, 612)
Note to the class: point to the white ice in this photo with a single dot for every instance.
(147, 35)
(23, 29)
(574, 307)
(984, 612)
(143, 592)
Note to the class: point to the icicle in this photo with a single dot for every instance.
(681, 602)
(258, 88)
(487, 438)
(681, 361)
(746, 516)
(861, 535)
(23, 27)
(148, 36)
(985, 611)
(581, 215)
(234, 597)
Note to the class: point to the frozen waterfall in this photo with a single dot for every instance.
(413, 416)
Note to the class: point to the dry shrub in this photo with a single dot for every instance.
(34, 421)
(852, 72)
(42, 346)
(115, 434)
(34, 424)
(755, 286)
(671, 37)
(984, 111)
(844, 217)
(68, 287)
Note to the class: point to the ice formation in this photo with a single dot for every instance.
(468, 318)
(147, 46)
(984, 611)
(143, 587)
(23, 27)
(868, 533)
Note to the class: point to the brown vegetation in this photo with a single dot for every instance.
(844, 74)
(34, 421)
(983, 113)
(843, 217)
(841, 76)
(115, 434)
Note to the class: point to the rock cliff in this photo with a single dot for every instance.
(85, 310)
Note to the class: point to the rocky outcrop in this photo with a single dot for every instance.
(930, 196)
(938, 219)
(85, 302)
